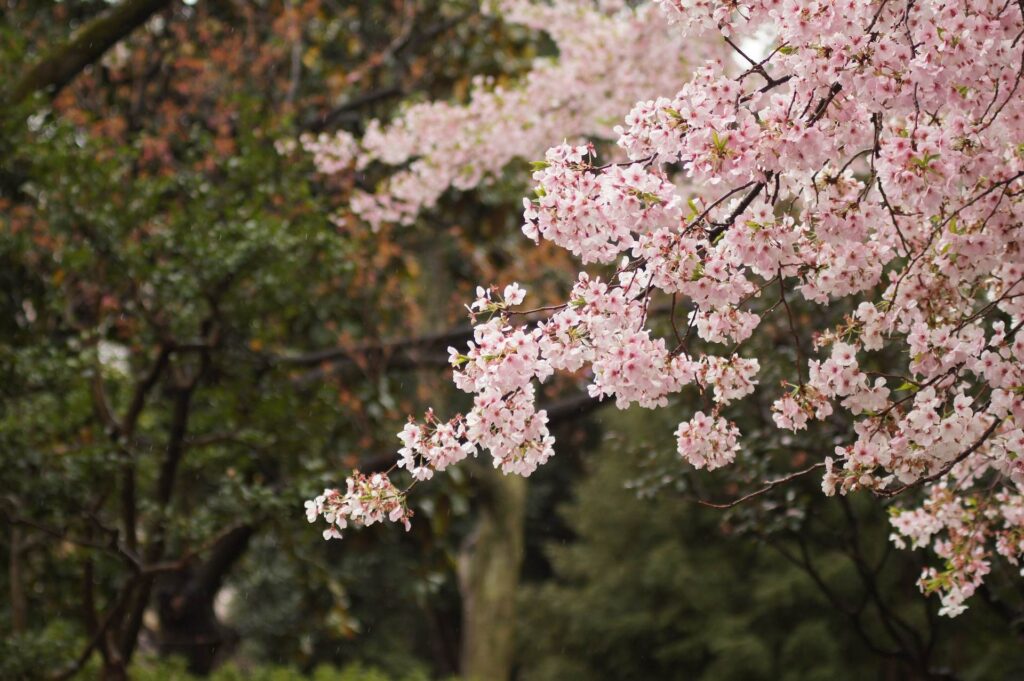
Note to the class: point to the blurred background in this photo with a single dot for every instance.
(196, 335)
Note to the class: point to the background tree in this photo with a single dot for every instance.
(790, 586)
(159, 346)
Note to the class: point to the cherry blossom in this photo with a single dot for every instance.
(368, 499)
(707, 441)
(871, 160)
(609, 56)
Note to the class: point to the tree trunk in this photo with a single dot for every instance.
(19, 607)
(114, 672)
(489, 568)
(188, 624)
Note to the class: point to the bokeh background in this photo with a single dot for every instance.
(196, 335)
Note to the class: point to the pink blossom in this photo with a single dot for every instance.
(873, 161)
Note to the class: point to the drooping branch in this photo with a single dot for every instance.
(942, 472)
(560, 412)
(413, 352)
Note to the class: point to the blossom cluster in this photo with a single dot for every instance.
(609, 56)
(367, 499)
(872, 158)
(707, 442)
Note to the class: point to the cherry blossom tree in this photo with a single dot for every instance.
(870, 159)
(608, 58)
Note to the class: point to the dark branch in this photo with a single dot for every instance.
(60, 65)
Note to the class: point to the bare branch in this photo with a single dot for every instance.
(768, 486)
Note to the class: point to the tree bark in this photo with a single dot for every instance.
(489, 568)
(177, 431)
(19, 607)
(188, 624)
(115, 672)
(60, 65)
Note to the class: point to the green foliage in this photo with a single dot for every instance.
(647, 594)
(149, 226)
(20, 653)
(174, 669)
(659, 587)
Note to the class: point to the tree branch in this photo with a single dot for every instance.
(431, 341)
(60, 65)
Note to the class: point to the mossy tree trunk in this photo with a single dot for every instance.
(489, 568)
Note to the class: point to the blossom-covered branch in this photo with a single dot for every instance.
(875, 160)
